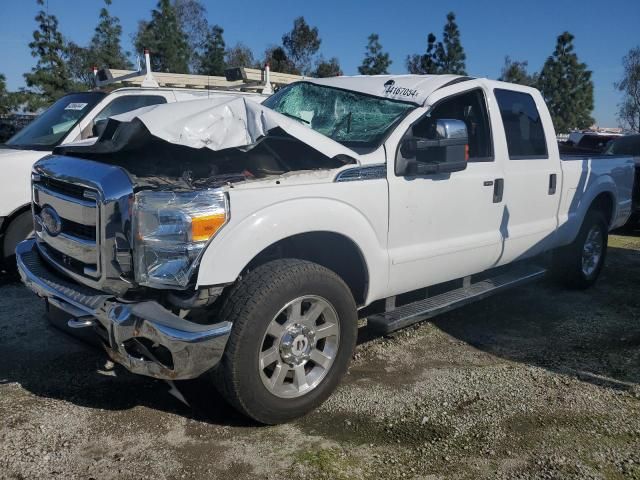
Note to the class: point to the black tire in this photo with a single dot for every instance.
(18, 230)
(568, 261)
(251, 305)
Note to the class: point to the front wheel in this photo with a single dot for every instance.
(294, 332)
(580, 263)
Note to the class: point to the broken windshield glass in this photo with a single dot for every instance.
(350, 118)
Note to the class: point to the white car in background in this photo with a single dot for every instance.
(75, 117)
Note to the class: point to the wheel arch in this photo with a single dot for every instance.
(332, 250)
(12, 216)
(5, 233)
(605, 202)
(329, 232)
(601, 195)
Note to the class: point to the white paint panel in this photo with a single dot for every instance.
(264, 212)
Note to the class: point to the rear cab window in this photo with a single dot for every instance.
(127, 103)
(522, 125)
(120, 105)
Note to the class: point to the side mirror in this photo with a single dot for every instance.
(98, 127)
(444, 151)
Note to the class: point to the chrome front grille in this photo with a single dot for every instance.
(82, 211)
(74, 245)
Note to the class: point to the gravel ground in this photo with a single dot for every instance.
(534, 383)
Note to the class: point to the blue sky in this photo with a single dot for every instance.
(604, 31)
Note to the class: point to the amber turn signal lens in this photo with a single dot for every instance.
(203, 228)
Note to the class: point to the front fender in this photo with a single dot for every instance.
(242, 239)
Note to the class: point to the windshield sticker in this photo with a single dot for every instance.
(391, 89)
(76, 106)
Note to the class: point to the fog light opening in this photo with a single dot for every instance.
(146, 350)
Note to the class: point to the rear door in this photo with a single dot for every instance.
(531, 170)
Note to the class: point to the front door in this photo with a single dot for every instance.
(446, 226)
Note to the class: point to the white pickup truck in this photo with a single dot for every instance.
(242, 242)
(74, 117)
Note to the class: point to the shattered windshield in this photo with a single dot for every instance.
(50, 128)
(350, 118)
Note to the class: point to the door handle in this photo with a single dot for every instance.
(498, 190)
(553, 181)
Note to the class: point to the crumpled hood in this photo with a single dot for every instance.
(220, 123)
(15, 166)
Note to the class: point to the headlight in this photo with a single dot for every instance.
(170, 231)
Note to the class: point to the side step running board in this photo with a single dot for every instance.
(423, 309)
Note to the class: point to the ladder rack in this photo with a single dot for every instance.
(241, 78)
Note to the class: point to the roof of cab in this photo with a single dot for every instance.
(409, 88)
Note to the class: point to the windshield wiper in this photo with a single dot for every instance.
(290, 115)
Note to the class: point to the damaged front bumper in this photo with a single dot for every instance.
(144, 337)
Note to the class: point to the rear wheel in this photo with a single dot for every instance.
(294, 332)
(580, 263)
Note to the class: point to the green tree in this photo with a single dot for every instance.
(327, 68)
(165, 39)
(239, 56)
(375, 62)
(104, 50)
(13, 101)
(80, 62)
(629, 108)
(105, 44)
(566, 85)
(301, 44)
(49, 79)
(443, 57)
(212, 60)
(278, 60)
(515, 71)
(7, 99)
(4, 95)
(449, 54)
(424, 64)
(192, 17)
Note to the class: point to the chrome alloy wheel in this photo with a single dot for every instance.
(299, 347)
(592, 251)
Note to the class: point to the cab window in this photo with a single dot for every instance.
(470, 107)
(522, 125)
(124, 104)
(128, 103)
